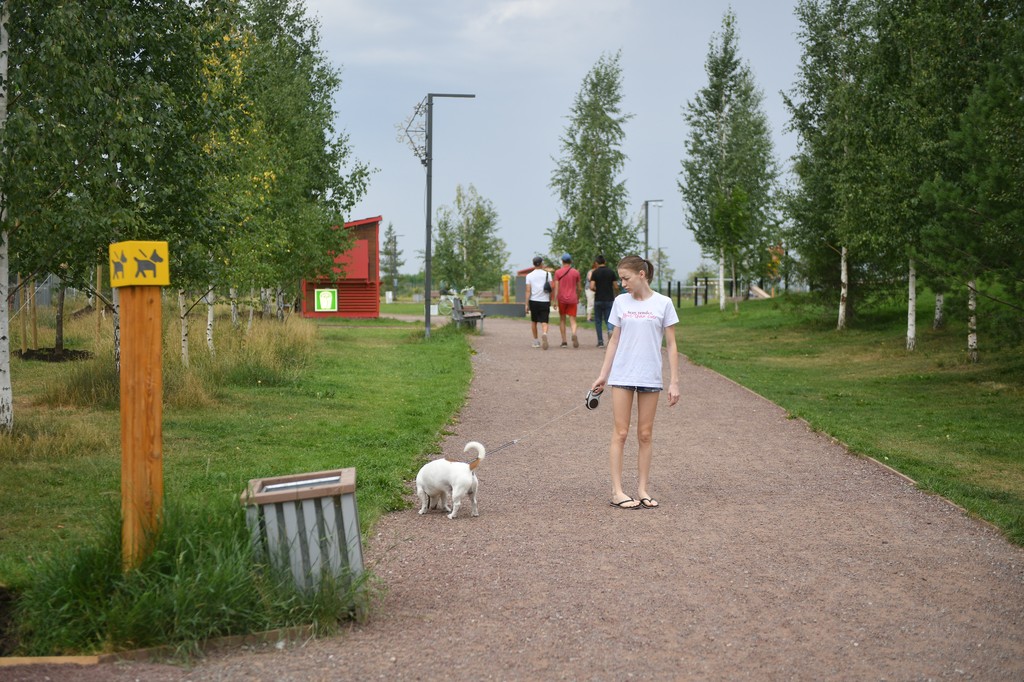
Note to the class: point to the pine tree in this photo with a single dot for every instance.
(390, 258)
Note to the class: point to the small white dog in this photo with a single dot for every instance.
(443, 477)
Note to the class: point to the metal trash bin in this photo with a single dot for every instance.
(307, 523)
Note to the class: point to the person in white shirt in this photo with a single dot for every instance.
(538, 301)
(642, 318)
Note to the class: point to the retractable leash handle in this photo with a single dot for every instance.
(593, 399)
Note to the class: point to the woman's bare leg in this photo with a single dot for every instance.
(622, 408)
(646, 407)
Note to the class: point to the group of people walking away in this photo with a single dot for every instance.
(637, 322)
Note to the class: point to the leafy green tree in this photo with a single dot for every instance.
(829, 111)
(729, 173)
(593, 217)
(85, 117)
(928, 57)
(467, 250)
(303, 179)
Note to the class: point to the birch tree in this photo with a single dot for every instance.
(593, 217)
(829, 205)
(467, 249)
(6, 393)
(729, 171)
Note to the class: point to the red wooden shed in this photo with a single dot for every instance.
(356, 282)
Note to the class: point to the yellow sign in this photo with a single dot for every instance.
(139, 264)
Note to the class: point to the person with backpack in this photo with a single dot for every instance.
(538, 301)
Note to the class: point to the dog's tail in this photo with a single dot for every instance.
(481, 452)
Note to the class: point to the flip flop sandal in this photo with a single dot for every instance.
(626, 501)
(648, 503)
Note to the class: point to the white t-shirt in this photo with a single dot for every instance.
(641, 326)
(535, 285)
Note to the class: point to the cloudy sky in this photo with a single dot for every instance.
(524, 60)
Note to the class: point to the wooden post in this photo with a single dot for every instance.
(23, 313)
(32, 312)
(142, 484)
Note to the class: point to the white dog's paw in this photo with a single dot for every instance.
(423, 511)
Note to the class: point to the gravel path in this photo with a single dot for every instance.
(775, 555)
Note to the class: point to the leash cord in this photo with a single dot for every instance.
(539, 428)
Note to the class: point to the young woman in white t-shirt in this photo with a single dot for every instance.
(632, 366)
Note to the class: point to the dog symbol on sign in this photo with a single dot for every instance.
(144, 265)
(118, 266)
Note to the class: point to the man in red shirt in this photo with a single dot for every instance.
(567, 293)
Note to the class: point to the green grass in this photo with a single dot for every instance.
(201, 580)
(955, 428)
(281, 399)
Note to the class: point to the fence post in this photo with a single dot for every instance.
(142, 485)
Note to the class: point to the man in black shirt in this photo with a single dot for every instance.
(605, 284)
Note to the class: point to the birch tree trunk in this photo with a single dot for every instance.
(252, 310)
(911, 306)
(844, 290)
(265, 298)
(940, 314)
(233, 295)
(279, 300)
(183, 315)
(6, 392)
(721, 282)
(972, 322)
(210, 300)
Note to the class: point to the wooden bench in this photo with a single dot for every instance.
(466, 314)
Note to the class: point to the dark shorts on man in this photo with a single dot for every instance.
(540, 311)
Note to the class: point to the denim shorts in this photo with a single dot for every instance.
(639, 389)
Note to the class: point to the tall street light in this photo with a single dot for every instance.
(647, 221)
(660, 254)
(427, 158)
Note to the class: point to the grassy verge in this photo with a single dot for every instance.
(281, 399)
(955, 428)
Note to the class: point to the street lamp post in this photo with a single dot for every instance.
(660, 255)
(647, 222)
(429, 162)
